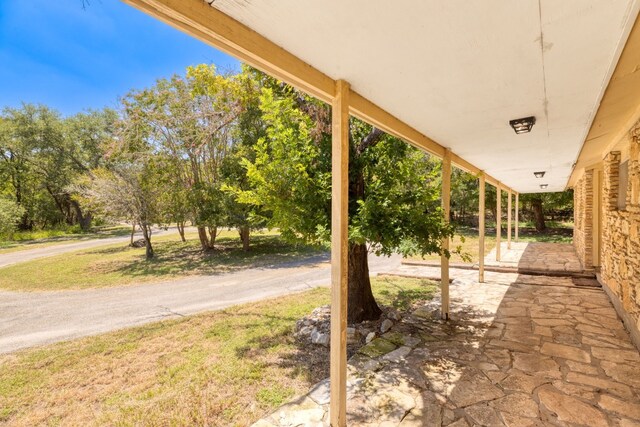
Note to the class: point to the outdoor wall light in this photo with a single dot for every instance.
(539, 174)
(523, 125)
(543, 186)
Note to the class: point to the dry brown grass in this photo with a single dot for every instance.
(223, 368)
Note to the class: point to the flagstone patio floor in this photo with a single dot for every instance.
(536, 256)
(518, 351)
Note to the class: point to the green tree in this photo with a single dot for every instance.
(537, 205)
(41, 154)
(10, 215)
(187, 122)
(394, 204)
(125, 190)
(249, 128)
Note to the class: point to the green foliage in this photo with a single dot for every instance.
(10, 215)
(42, 154)
(394, 193)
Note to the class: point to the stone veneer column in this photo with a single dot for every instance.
(583, 198)
(611, 181)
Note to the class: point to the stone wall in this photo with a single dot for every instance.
(583, 219)
(620, 252)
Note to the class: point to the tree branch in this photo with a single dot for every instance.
(370, 140)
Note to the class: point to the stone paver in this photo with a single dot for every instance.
(517, 352)
(536, 256)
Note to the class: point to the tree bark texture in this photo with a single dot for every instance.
(538, 214)
(180, 226)
(204, 239)
(213, 233)
(146, 232)
(133, 232)
(361, 303)
(244, 232)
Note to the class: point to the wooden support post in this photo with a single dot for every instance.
(446, 209)
(509, 219)
(481, 215)
(498, 220)
(517, 225)
(339, 254)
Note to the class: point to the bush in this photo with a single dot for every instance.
(10, 214)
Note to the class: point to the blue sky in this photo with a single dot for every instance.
(56, 53)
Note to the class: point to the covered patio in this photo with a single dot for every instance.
(520, 350)
(539, 257)
(524, 95)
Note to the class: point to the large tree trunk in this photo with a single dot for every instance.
(244, 232)
(180, 225)
(83, 219)
(204, 239)
(133, 232)
(538, 214)
(213, 233)
(361, 305)
(146, 232)
(61, 208)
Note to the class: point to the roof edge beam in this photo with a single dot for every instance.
(198, 19)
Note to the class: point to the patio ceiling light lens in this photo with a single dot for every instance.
(539, 174)
(543, 186)
(523, 125)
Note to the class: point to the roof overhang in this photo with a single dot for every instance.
(618, 111)
(440, 75)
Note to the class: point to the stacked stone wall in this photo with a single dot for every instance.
(583, 219)
(620, 252)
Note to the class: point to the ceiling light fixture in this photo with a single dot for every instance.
(523, 125)
(539, 174)
(543, 186)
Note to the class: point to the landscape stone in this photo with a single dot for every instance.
(522, 382)
(566, 352)
(535, 363)
(377, 347)
(582, 368)
(624, 373)
(386, 325)
(478, 389)
(601, 383)
(320, 338)
(517, 403)
(618, 355)
(398, 355)
(624, 408)
(569, 409)
(395, 337)
(483, 415)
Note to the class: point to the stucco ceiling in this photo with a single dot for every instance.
(459, 70)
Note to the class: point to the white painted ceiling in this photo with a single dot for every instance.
(459, 70)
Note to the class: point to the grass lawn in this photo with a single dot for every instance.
(42, 238)
(119, 264)
(226, 368)
(559, 233)
(469, 247)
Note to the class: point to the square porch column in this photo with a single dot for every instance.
(339, 253)
(509, 219)
(481, 215)
(446, 209)
(517, 224)
(498, 220)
